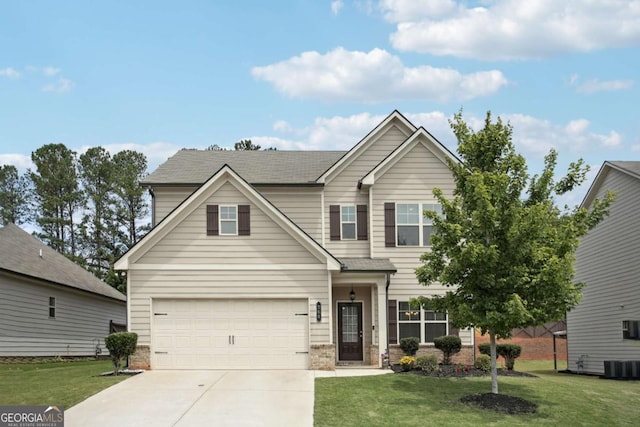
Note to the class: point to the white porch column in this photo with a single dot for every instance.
(381, 323)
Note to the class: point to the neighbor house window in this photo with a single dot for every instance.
(52, 307)
(348, 222)
(631, 329)
(228, 220)
(424, 324)
(413, 227)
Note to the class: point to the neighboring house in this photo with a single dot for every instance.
(604, 326)
(50, 306)
(280, 259)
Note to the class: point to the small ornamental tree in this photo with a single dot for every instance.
(121, 345)
(448, 345)
(410, 345)
(501, 245)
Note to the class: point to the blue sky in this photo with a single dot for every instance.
(157, 76)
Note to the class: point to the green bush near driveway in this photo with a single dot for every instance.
(57, 383)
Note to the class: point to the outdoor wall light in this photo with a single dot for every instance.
(318, 311)
(352, 295)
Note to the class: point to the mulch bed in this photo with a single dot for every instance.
(496, 402)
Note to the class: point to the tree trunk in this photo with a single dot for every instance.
(494, 368)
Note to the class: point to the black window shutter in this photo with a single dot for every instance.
(212, 220)
(362, 221)
(244, 220)
(392, 330)
(390, 224)
(334, 222)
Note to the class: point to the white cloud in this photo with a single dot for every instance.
(20, 161)
(512, 29)
(9, 72)
(374, 76)
(50, 71)
(61, 86)
(156, 152)
(336, 6)
(595, 85)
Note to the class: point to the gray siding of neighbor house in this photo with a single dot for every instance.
(410, 180)
(343, 189)
(81, 321)
(608, 262)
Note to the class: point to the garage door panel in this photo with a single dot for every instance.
(224, 334)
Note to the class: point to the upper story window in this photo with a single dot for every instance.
(348, 222)
(413, 228)
(228, 220)
(52, 307)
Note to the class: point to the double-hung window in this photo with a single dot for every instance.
(417, 322)
(413, 227)
(348, 222)
(228, 220)
(52, 307)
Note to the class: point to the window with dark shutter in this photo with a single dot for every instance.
(244, 220)
(212, 220)
(362, 222)
(390, 224)
(334, 222)
(392, 330)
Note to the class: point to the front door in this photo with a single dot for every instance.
(350, 330)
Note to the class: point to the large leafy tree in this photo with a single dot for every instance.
(14, 196)
(502, 246)
(57, 197)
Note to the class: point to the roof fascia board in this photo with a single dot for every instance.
(599, 179)
(394, 117)
(420, 136)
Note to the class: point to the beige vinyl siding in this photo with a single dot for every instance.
(81, 321)
(253, 284)
(607, 262)
(167, 199)
(302, 205)
(342, 189)
(188, 242)
(411, 179)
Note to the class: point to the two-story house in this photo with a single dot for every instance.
(291, 260)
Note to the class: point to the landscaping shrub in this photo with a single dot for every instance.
(483, 362)
(449, 345)
(427, 363)
(121, 345)
(510, 352)
(407, 363)
(410, 345)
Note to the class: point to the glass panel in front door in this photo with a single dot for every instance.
(350, 332)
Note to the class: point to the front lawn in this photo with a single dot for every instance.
(57, 383)
(411, 400)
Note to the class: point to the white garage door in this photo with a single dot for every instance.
(225, 334)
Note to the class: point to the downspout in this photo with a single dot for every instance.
(386, 297)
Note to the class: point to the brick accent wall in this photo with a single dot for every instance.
(141, 359)
(540, 348)
(465, 357)
(373, 355)
(323, 357)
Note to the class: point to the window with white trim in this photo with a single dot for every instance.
(228, 220)
(348, 222)
(413, 228)
(417, 322)
(52, 307)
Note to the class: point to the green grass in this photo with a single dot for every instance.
(411, 400)
(58, 383)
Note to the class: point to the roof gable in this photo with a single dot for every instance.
(25, 255)
(395, 118)
(213, 184)
(420, 136)
(631, 168)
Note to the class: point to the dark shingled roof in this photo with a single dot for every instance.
(358, 265)
(257, 167)
(20, 253)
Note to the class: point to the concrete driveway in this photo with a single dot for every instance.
(201, 398)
